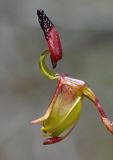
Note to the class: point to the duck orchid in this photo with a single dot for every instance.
(64, 110)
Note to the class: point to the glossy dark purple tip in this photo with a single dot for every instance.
(45, 22)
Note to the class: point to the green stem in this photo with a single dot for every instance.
(43, 68)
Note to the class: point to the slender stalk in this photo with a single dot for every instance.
(43, 68)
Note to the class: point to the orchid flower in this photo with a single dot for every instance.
(64, 110)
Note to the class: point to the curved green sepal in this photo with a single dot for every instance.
(43, 68)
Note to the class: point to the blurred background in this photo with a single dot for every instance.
(86, 31)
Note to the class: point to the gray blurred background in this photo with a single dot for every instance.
(86, 31)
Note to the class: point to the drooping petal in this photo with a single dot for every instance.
(90, 95)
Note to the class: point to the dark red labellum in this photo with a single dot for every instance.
(51, 36)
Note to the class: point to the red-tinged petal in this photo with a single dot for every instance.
(52, 37)
(49, 110)
(52, 140)
(90, 95)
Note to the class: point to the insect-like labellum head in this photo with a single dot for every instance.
(52, 37)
